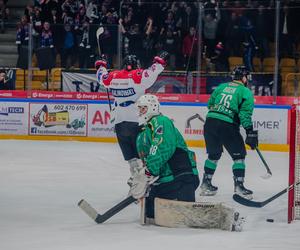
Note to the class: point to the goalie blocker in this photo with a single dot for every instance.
(206, 215)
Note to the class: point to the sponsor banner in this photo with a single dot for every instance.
(35, 94)
(13, 94)
(179, 82)
(272, 124)
(58, 119)
(261, 84)
(99, 120)
(67, 95)
(81, 82)
(14, 118)
(188, 119)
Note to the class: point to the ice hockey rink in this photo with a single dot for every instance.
(41, 183)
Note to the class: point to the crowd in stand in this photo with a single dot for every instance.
(229, 28)
(4, 14)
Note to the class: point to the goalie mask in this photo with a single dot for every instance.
(148, 106)
(240, 73)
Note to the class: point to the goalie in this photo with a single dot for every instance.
(168, 163)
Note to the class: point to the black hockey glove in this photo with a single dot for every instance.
(252, 138)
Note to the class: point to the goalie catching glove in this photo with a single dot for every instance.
(141, 182)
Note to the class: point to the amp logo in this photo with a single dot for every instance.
(102, 118)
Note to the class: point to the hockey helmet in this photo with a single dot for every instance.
(131, 62)
(148, 107)
(239, 72)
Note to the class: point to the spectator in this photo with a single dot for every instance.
(188, 19)
(149, 41)
(169, 23)
(86, 50)
(5, 81)
(36, 20)
(169, 43)
(210, 30)
(233, 37)
(22, 33)
(219, 60)
(92, 12)
(46, 7)
(68, 48)
(135, 37)
(190, 49)
(46, 36)
(4, 13)
(249, 44)
(262, 29)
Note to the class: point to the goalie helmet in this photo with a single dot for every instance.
(148, 106)
(239, 72)
(131, 62)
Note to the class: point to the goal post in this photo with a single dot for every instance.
(294, 165)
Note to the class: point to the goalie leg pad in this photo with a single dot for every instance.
(207, 215)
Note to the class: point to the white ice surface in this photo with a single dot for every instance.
(42, 181)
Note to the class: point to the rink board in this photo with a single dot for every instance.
(89, 120)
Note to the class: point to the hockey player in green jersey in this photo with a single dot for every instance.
(230, 105)
(165, 156)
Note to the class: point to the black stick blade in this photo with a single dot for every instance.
(246, 202)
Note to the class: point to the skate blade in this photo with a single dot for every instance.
(207, 193)
(246, 196)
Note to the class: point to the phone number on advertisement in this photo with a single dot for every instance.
(70, 107)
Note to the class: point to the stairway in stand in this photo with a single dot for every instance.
(8, 47)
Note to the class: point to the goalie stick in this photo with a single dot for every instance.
(251, 203)
(100, 218)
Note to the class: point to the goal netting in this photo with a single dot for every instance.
(294, 172)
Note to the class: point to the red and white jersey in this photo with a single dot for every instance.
(126, 87)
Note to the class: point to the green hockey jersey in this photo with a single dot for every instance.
(158, 144)
(232, 102)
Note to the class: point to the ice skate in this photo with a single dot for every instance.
(206, 188)
(240, 189)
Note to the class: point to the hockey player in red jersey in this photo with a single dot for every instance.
(126, 86)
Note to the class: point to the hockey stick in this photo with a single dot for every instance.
(99, 32)
(250, 203)
(269, 173)
(100, 218)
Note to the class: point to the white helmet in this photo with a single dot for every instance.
(152, 104)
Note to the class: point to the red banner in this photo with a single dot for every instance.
(34, 94)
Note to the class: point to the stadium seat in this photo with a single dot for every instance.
(257, 64)
(287, 65)
(272, 48)
(291, 87)
(233, 61)
(268, 64)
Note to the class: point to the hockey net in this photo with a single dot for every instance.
(294, 171)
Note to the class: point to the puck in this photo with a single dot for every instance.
(270, 220)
